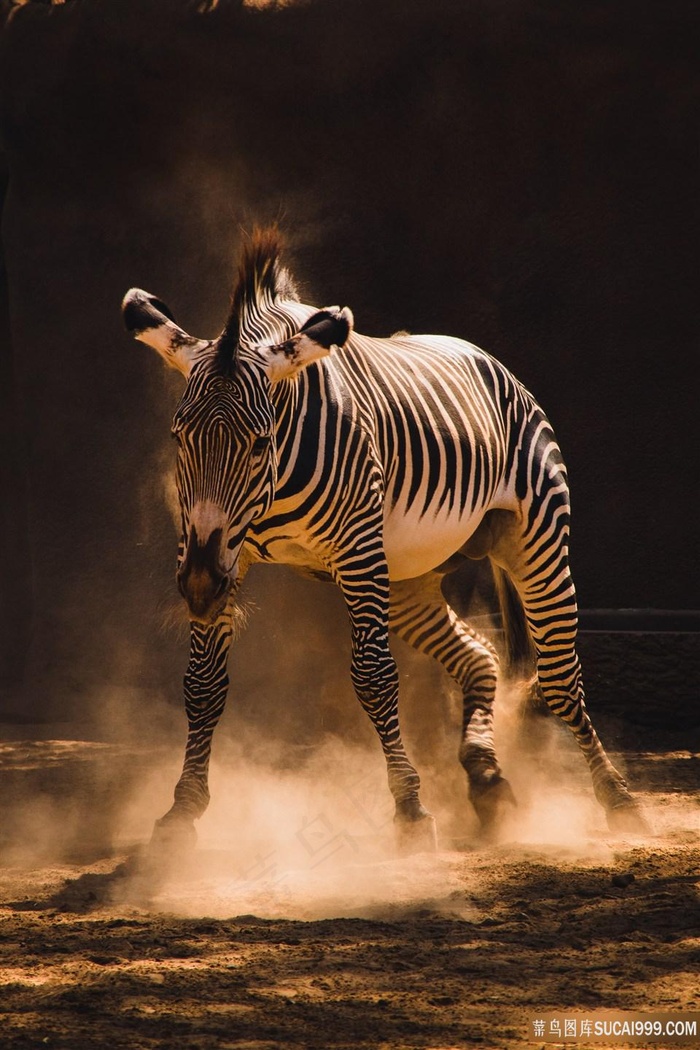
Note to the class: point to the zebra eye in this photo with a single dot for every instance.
(260, 445)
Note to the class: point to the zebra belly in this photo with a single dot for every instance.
(415, 544)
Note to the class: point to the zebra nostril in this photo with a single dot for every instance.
(222, 587)
(204, 592)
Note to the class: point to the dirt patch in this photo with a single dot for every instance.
(337, 943)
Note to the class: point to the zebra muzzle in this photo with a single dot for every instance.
(202, 580)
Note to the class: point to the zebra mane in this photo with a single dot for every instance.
(260, 280)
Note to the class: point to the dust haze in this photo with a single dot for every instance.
(300, 823)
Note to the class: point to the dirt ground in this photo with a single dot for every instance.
(321, 937)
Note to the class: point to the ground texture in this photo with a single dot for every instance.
(356, 948)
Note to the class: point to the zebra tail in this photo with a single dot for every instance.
(520, 654)
(520, 657)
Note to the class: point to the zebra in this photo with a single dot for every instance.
(383, 465)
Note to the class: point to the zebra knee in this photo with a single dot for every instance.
(375, 678)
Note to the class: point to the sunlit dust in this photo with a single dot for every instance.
(306, 831)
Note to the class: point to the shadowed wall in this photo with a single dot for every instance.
(522, 174)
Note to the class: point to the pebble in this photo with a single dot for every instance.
(623, 879)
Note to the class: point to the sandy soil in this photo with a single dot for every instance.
(318, 936)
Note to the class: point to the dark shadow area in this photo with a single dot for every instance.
(134, 882)
(16, 558)
(641, 689)
(64, 800)
(664, 772)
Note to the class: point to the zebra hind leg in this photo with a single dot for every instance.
(420, 615)
(543, 582)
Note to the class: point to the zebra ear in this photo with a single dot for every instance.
(319, 335)
(150, 321)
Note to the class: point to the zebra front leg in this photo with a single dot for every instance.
(205, 689)
(376, 681)
(421, 616)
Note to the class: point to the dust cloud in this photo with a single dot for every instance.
(308, 833)
(304, 830)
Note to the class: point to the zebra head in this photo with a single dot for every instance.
(225, 423)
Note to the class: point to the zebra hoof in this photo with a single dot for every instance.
(153, 865)
(172, 836)
(495, 805)
(627, 819)
(415, 831)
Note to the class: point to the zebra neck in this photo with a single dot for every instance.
(290, 400)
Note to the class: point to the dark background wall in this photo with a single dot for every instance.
(522, 173)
